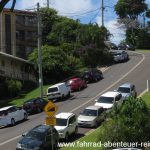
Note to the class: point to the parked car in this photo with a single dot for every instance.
(92, 74)
(127, 90)
(12, 114)
(34, 105)
(39, 138)
(58, 91)
(119, 55)
(66, 125)
(108, 99)
(77, 84)
(91, 116)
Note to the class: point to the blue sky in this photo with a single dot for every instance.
(85, 10)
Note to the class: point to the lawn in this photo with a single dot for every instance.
(145, 50)
(146, 98)
(24, 97)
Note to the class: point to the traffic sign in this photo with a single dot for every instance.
(50, 109)
(50, 121)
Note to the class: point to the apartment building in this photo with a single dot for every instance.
(18, 38)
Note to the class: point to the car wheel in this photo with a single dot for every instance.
(96, 79)
(96, 124)
(12, 122)
(38, 110)
(68, 94)
(67, 136)
(25, 116)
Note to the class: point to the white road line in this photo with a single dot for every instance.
(14, 138)
(3, 143)
(143, 57)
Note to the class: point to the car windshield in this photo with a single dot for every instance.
(108, 100)
(36, 135)
(55, 89)
(3, 113)
(61, 122)
(89, 112)
(124, 90)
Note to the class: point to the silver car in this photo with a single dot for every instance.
(91, 116)
(127, 90)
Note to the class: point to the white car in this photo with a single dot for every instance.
(91, 116)
(108, 99)
(66, 125)
(12, 114)
(60, 90)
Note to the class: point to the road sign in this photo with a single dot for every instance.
(50, 121)
(50, 109)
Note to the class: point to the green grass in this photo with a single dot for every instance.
(24, 97)
(146, 98)
(144, 50)
(89, 139)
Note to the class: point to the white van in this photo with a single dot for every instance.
(59, 90)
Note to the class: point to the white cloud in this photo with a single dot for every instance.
(117, 30)
(64, 7)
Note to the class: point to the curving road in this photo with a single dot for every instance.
(136, 71)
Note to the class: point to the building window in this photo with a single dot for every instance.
(8, 33)
(31, 35)
(20, 19)
(31, 21)
(20, 35)
(20, 51)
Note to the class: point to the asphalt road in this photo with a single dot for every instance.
(136, 71)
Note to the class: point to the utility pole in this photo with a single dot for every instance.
(102, 7)
(39, 51)
(47, 3)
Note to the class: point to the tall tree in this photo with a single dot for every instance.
(130, 8)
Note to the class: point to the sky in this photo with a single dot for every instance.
(85, 10)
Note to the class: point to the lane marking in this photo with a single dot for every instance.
(12, 139)
(143, 57)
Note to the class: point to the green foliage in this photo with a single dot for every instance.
(55, 62)
(128, 123)
(49, 17)
(130, 8)
(14, 87)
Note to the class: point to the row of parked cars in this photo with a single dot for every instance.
(67, 123)
(62, 90)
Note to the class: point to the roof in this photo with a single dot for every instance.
(110, 94)
(126, 85)
(64, 115)
(5, 108)
(93, 107)
(55, 85)
(74, 78)
(7, 10)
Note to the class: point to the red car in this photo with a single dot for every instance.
(77, 84)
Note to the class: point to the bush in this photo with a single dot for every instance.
(14, 87)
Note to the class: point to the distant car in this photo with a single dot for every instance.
(127, 90)
(58, 91)
(91, 116)
(35, 105)
(12, 114)
(39, 138)
(126, 47)
(92, 75)
(119, 55)
(77, 84)
(66, 125)
(108, 99)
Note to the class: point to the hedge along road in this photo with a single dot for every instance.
(112, 78)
